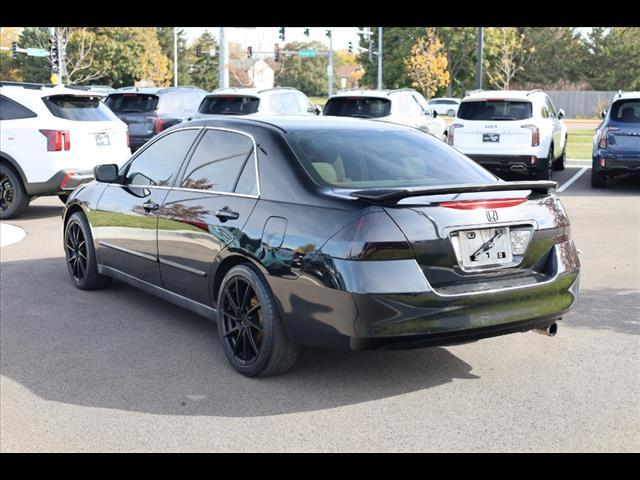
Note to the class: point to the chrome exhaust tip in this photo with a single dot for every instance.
(550, 331)
(518, 167)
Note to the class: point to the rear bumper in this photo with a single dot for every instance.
(339, 318)
(619, 163)
(510, 162)
(63, 181)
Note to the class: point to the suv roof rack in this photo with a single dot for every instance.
(406, 89)
(33, 86)
(535, 90)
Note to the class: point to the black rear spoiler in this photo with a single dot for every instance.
(391, 194)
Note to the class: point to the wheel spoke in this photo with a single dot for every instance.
(252, 343)
(233, 305)
(237, 343)
(243, 306)
(238, 304)
(82, 267)
(244, 345)
(71, 258)
(254, 325)
(253, 310)
(233, 330)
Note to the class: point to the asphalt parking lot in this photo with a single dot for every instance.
(119, 370)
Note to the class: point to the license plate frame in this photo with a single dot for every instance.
(491, 137)
(498, 254)
(102, 139)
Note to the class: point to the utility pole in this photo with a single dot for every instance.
(175, 56)
(330, 66)
(379, 58)
(479, 65)
(223, 69)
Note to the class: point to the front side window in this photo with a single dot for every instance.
(132, 102)
(11, 110)
(158, 164)
(76, 107)
(284, 103)
(217, 162)
(379, 159)
(229, 105)
(551, 108)
(626, 111)
(495, 110)
(365, 107)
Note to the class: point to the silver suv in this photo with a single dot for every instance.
(404, 106)
(249, 101)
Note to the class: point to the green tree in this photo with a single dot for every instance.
(34, 69)
(308, 74)
(614, 61)
(204, 72)
(505, 55)
(8, 67)
(459, 45)
(165, 37)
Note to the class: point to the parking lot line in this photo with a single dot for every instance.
(572, 179)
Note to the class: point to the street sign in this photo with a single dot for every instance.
(37, 52)
(308, 53)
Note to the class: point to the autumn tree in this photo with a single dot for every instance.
(9, 69)
(427, 64)
(459, 45)
(204, 72)
(505, 55)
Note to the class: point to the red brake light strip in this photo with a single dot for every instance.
(473, 204)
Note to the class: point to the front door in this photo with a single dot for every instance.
(206, 211)
(126, 220)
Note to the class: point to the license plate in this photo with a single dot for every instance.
(491, 137)
(487, 246)
(102, 140)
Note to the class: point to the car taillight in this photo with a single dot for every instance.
(159, 125)
(603, 138)
(488, 204)
(535, 134)
(451, 129)
(56, 139)
(374, 236)
(128, 139)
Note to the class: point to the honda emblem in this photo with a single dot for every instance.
(492, 215)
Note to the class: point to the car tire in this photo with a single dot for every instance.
(547, 170)
(560, 163)
(80, 254)
(63, 197)
(13, 197)
(255, 343)
(451, 113)
(598, 179)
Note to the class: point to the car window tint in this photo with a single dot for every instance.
(81, 108)
(171, 103)
(374, 159)
(408, 106)
(550, 107)
(10, 110)
(192, 101)
(304, 104)
(132, 102)
(422, 103)
(366, 107)
(217, 161)
(495, 110)
(247, 184)
(286, 103)
(158, 163)
(627, 111)
(229, 105)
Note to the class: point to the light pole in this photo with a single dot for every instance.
(330, 66)
(223, 69)
(379, 58)
(175, 56)
(479, 65)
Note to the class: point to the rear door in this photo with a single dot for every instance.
(623, 132)
(137, 110)
(125, 222)
(489, 126)
(206, 211)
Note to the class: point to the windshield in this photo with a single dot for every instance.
(626, 111)
(495, 110)
(132, 102)
(365, 107)
(72, 107)
(229, 105)
(382, 159)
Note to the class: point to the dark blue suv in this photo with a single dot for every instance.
(616, 145)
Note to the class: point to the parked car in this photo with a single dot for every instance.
(507, 130)
(616, 144)
(445, 106)
(252, 101)
(150, 110)
(331, 232)
(103, 90)
(404, 106)
(51, 138)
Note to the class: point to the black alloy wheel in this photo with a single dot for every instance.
(13, 198)
(81, 256)
(242, 324)
(76, 249)
(7, 192)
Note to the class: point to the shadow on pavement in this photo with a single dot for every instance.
(123, 349)
(41, 211)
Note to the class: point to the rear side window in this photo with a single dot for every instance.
(365, 107)
(158, 163)
(192, 101)
(285, 103)
(10, 110)
(132, 102)
(374, 159)
(626, 111)
(218, 160)
(495, 110)
(229, 105)
(75, 107)
(171, 103)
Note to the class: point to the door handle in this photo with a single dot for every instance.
(150, 206)
(227, 214)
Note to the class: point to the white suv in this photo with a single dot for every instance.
(252, 101)
(511, 130)
(404, 106)
(51, 138)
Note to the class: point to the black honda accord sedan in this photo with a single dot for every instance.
(331, 232)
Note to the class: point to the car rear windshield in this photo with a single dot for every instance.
(229, 105)
(377, 159)
(495, 110)
(365, 107)
(132, 102)
(76, 107)
(627, 111)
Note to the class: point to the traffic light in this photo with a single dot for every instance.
(53, 54)
(306, 32)
(249, 52)
(276, 49)
(198, 51)
(350, 47)
(14, 50)
(328, 33)
(281, 33)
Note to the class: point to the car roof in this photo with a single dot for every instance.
(445, 98)
(249, 90)
(155, 90)
(301, 123)
(360, 92)
(478, 95)
(34, 90)
(626, 95)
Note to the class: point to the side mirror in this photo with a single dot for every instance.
(107, 173)
(435, 114)
(603, 113)
(317, 109)
(560, 113)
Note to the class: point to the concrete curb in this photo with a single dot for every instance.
(10, 234)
